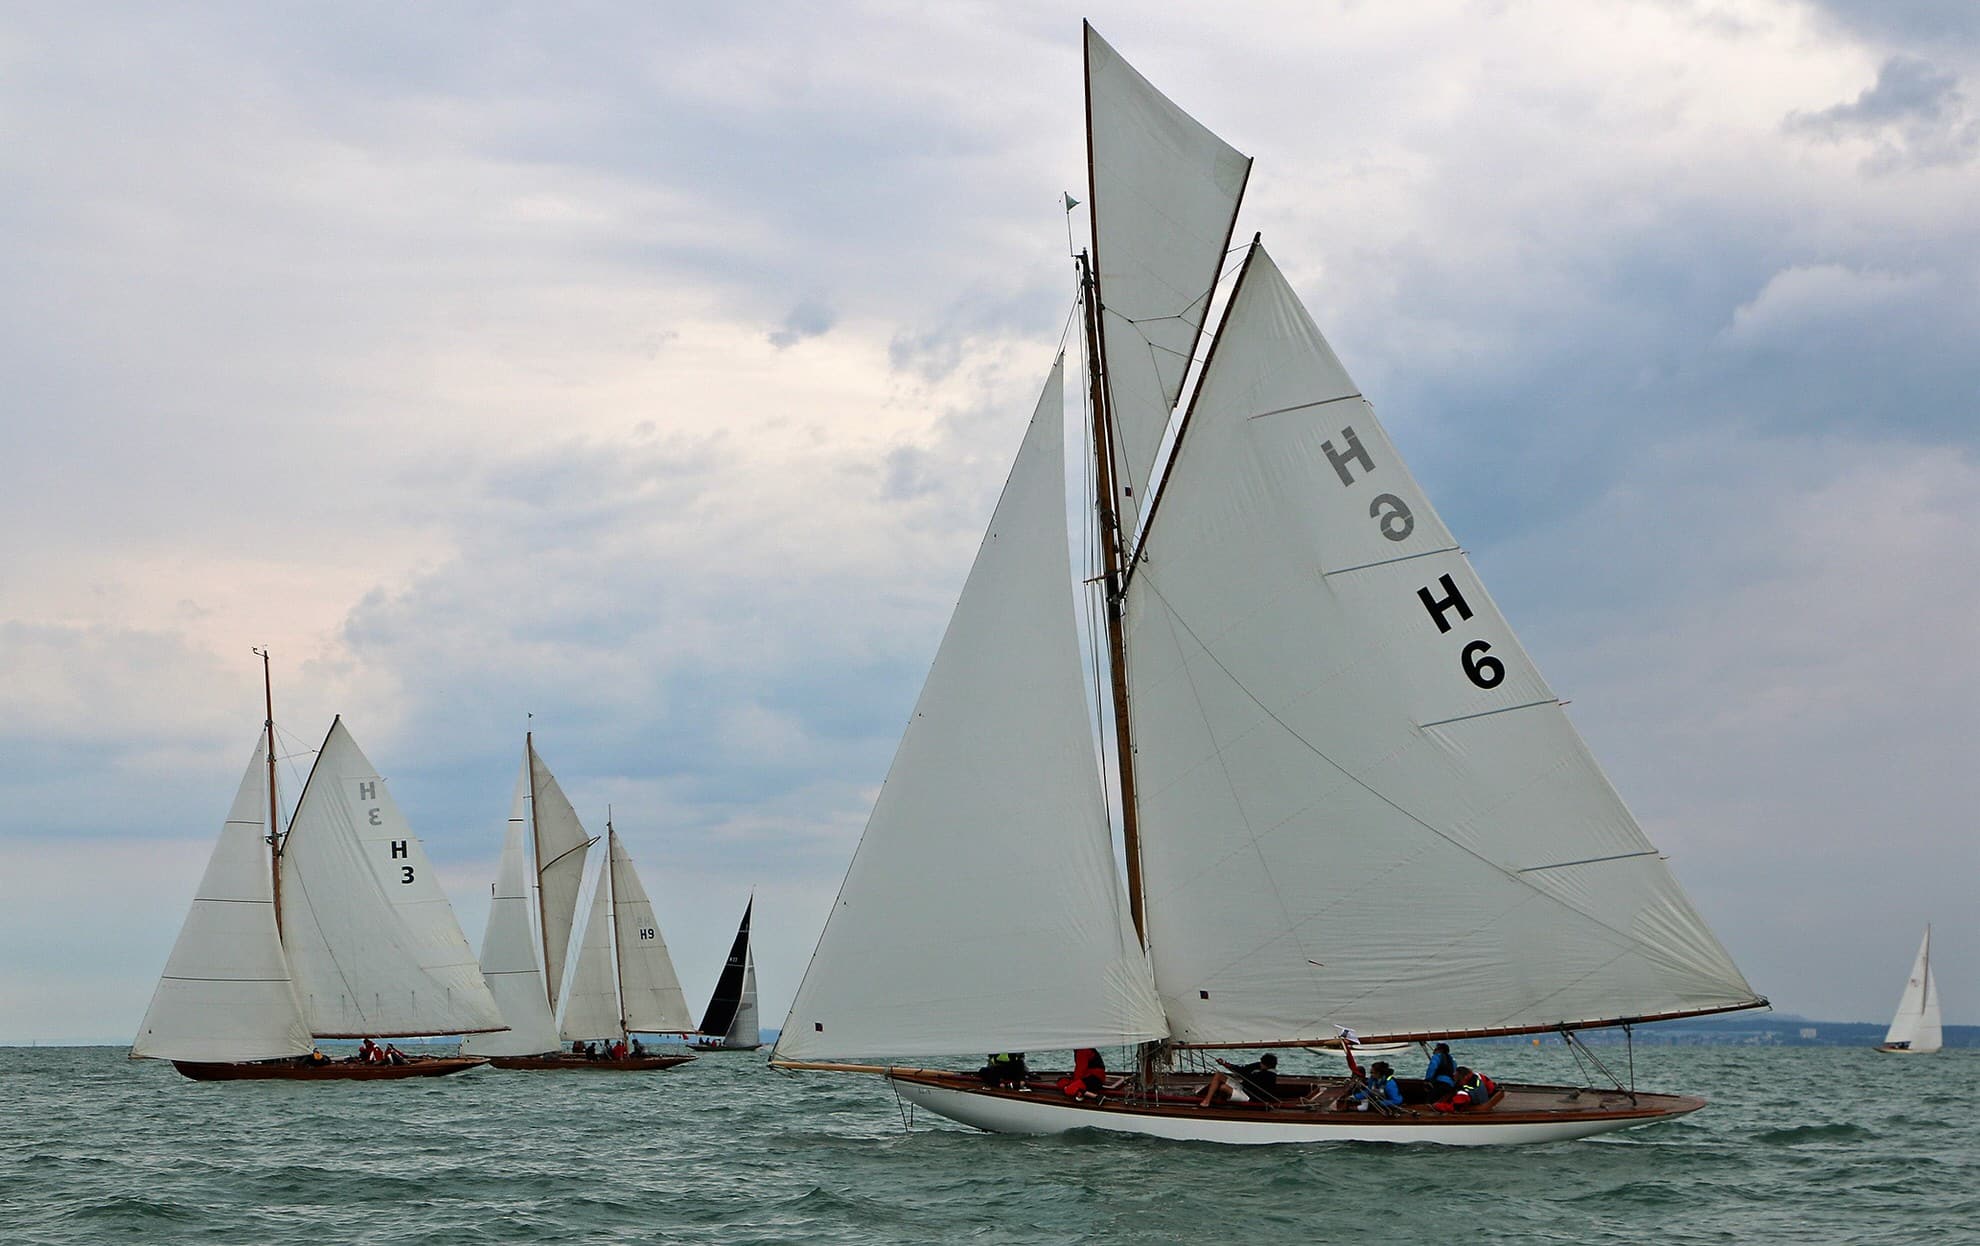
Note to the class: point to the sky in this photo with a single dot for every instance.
(643, 375)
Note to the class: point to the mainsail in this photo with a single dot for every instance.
(1916, 1025)
(982, 910)
(731, 1012)
(650, 991)
(370, 936)
(1163, 199)
(508, 951)
(1360, 803)
(226, 993)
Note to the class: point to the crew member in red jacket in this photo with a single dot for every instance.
(1474, 1090)
(1089, 1076)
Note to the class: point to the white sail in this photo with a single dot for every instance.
(560, 860)
(1916, 1027)
(226, 993)
(1360, 803)
(591, 999)
(745, 1031)
(652, 1000)
(508, 951)
(982, 910)
(1164, 196)
(371, 938)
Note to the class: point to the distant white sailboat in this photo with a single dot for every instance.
(1915, 1030)
(730, 1022)
(623, 981)
(1347, 797)
(336, 929)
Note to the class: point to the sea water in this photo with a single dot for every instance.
(1799, 1145)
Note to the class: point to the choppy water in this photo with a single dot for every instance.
(1799, 1145)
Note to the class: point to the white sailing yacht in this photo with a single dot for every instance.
(336, 929)
(730, 1021)
(1915, 1030)
(1348, 800)
(623, 981)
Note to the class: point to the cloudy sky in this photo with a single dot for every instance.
(652, 370)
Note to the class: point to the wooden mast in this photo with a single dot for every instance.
(612, 915)
(536, 851)
(274, 815)
(1109, 522)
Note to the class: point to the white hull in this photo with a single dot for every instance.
(1046, 1113)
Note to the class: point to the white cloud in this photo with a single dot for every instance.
(1804, 296)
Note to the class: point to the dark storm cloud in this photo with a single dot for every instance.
(1917, 113)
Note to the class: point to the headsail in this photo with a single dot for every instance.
(226, 992)
(1360, 803)
(744, 1030)
(1164, 197)
(560, 844)
(652, 997)
(369, 933)
(734, 990)
(1916, 1026)
(591, 1000)
(982, 910)
(508, 951)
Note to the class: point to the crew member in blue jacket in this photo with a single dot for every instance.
(1442, 1073)
(1381, 1087)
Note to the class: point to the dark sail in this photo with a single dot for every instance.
(728, 995)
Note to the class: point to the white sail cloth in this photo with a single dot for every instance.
(591, 1000)
(226, 993)
(982, 910)
(370, 936)
(1164, 196)
(1916, 1024)
(508, 951)
(651, 997)
(1360, 803)
(746, 1032)
(560, 858)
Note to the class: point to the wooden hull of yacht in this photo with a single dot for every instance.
(335, 1071)
(1892, 1049)
(1523, 1115)
(578, 1064)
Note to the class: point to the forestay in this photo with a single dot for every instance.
(1360, 803)
(370, 936)
(591, 1005)
(508, 951)
(1164, 197)
(226, 992)
(652, 997)
(560, 857)
(982, 910)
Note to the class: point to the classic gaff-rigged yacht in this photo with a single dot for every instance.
(336, 929)
(1348, 799)
(1915, 1028)
(730, 1021)
(624, 980)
